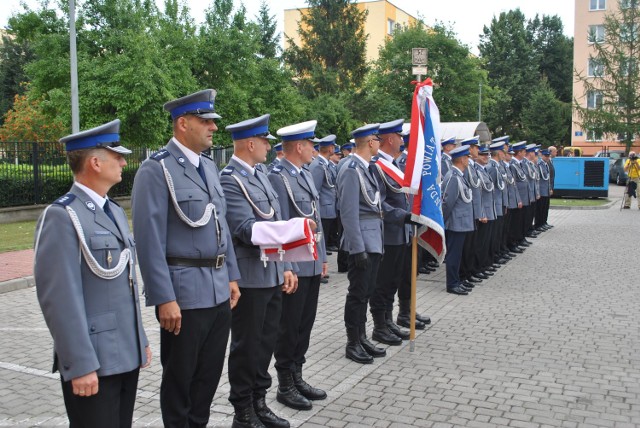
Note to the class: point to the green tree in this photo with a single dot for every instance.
(455, 73)
(612, 93)
(507, 54)
(553, 53)
(14, 55)
(545, 119)
(269, 40)
(27, 121)
(332, 55)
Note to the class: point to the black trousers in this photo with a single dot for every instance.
(482, 246)
(468, 262)
(542, 211)
(388, 279)
(496, 238)
(361, 285)
(192, 364)
(330, 230)
(111, 407)
(298, 316)
(517, 226)
(404, 289)
(455, 245)
(506, 230)
(528, 219)
(254, 331)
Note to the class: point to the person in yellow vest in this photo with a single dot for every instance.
(632, 168)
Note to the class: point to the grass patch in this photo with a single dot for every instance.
(16, 236)
(19, 236)
(574, 202)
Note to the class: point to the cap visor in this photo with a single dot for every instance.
(119, 149)
(209, 116)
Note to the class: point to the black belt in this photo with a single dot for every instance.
(217, 262)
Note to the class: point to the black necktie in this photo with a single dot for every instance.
(200, 170)
(108, 212)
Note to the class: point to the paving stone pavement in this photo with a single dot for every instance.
(551, 340)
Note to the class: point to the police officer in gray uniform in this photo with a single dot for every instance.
(447, 145)
(457, 210)
(256, 317)
(514, 201)
(187, 260)
(496, 171)
(276, 161)
(324, 174)
(298, 197)
(363, 240)
(484, 256)
(86, 285)
(545, 191)
(522, 183)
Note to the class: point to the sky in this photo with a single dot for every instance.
(467, 17)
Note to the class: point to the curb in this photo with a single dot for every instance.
(597, 207)
(17, 284)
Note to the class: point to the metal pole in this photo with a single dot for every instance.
(75, 110)
(414, 275)
(480, 102)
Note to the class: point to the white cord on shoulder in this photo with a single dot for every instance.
(363, 188)
(209, 209)
(99, 271)
(325, 168)
(386, 182)
(266, 216)
(293, 201)
(471, 182)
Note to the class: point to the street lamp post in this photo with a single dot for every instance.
(480, 102)
(75, 110)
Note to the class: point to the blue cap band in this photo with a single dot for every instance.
(91, 141)
(294, 137)
(205, 106)
(251, 132)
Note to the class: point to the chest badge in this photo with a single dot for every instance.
(91, 205)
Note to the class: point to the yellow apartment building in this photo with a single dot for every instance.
(382, 19)
(589, 17)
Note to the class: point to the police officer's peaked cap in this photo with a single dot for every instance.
(299, 131)
(459, 151)
(366, 130)
(498, 146)
(504, 139)
(327, 141)
(278, 147)
(473, 141)
(106, 136)
(200, 104)
(531, 148)
(256, 127)
(393, 127)
(484, 150)
(451, 140)
(520, 145)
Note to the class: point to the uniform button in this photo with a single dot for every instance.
(93, 328)
(66, 367)
(107, 244)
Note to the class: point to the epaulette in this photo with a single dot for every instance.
(277, 169)
(160, 155)
(353, 164)
(375, 158)
(206, 156)
(227, 170)
(305, 167)
(65, 200)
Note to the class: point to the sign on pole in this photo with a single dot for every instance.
(419, 56)
(419, 70)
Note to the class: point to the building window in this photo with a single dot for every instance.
(594, 99)
(628, 32)
(594, 136)
(391, 26)
(595, 69)
(628, 4)
(597, 4)
(596, 34)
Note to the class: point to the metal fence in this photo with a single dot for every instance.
(37, 173)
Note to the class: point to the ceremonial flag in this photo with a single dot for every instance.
(422, 173)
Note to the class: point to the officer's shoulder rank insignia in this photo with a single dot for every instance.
(65, 200)
(277, 168)
(243, 173)
(227, 170)
(353, 164)
(160, 155)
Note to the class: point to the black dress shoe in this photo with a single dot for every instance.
(332, 248)
(247, 418)
(490, 269)
(503, 260)
(329, 253)
(473, 280)
(531, 235)
(468, 285)
(525, 243)
(423, 270)
(370, 348)
(480, 275)
(457, 290)
(549, 225)
(432, 263)
(382, 334)
(267, 417)
(324, 281)
(488, 273)
(425, 319)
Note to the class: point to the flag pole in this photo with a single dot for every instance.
(414, 274)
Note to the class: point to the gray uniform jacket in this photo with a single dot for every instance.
(95, 323)
(401, 160)
(324, 178)
(344, 161)
(493, 168)
(552, 173)
(445, 164)
(487, 186)
(241, 217)
(522, 183)
(162, 233)
(513, 196)
(473, 180)
(457, 212)
(395, 206)
(545, 178)
(361, 219)
(530, 171)
(275, 162)
(305, 197)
